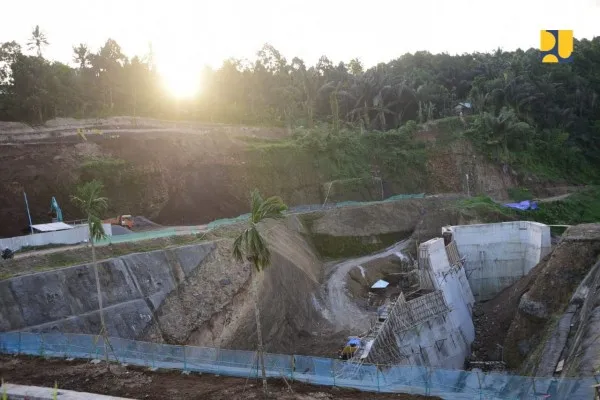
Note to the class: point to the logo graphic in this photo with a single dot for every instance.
(556, 46)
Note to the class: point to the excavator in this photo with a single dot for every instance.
(122, 220)
(55, 211)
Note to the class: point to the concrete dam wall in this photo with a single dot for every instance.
(65, 300)
(498, 255)
(436, 328)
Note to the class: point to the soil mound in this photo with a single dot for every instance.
(142, 223)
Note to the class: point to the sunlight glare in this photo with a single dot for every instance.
(181, 79)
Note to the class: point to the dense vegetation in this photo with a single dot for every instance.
(545, 117)
(579, 208)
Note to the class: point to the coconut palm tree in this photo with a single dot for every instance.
(87, 198)
(37, 40)
(251, 246)
(81, 55)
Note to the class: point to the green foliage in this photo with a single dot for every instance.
(105, 164)
(537, 117)
(486, 209)
(519, 194)
(337, 247)
(250, 244)
(579, 208)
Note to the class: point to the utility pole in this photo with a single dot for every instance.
(28, 213)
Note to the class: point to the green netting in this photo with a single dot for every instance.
(228, 221)
(167, 232)
(405, 196)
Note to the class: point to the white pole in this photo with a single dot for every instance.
(468, 189)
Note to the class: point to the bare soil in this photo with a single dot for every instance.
(139, 383)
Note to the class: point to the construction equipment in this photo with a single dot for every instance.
(55, 211)
(122, 220)
(351, 347)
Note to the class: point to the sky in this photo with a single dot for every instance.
(187, 34)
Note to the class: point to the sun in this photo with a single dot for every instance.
(183, 82)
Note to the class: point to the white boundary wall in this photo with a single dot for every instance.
(78, 234)
(498, 255)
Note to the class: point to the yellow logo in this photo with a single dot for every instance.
(556, 46)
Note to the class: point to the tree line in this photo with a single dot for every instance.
(520, 104)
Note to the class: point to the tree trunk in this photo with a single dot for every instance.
(99, 291)
(261, 355)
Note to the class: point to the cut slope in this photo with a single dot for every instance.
(556, 279)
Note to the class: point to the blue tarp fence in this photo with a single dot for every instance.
(448, 384)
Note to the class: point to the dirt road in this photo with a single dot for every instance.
(179, 230)
(342, 310)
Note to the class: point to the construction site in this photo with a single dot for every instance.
(359, 293)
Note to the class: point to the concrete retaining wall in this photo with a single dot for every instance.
(498, 255)
(79, 234)
(65, 300)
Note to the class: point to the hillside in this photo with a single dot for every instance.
(178, 174)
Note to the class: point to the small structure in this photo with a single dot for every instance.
(52, 227)
(380, 285)
(464, 109)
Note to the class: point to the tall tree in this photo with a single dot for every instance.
(82, 55)
(251, 247)
(89, 200)
(37, 40)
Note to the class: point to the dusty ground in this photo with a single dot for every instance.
(140, 383)
(343, 309)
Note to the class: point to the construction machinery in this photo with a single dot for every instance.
(122, 220)
(55, 211)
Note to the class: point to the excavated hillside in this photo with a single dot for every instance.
(197, 294)
(551, 314)
(190, 173)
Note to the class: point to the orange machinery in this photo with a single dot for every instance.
(123, 220)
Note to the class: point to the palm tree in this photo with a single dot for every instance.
(37, 40)
(82, 55)
(87, 198)
(251, 246)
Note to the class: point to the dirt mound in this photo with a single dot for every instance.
(288, 292)
(142, 223)
(139, 383)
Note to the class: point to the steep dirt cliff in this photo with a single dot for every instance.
(184, 173)
(556, 291)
